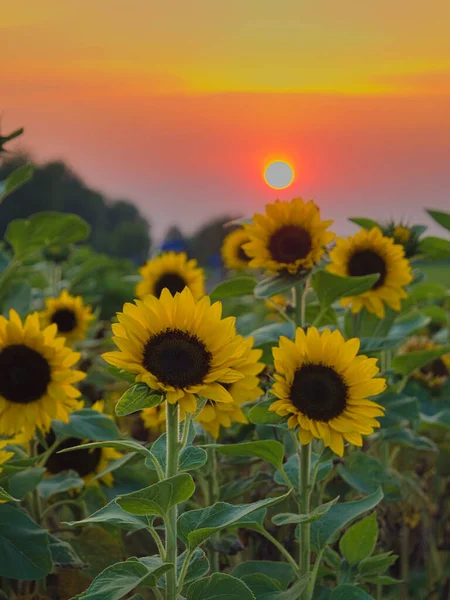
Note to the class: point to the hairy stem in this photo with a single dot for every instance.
(213, 496)
(305, 528)
(173, 449)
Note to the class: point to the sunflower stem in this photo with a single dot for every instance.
(305, 496)
(173, 449)
(213, 496)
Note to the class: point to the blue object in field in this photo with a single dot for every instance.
(173, 246)
(215, 261)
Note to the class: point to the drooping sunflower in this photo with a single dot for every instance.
(289, 237)
(36, 376)
(370, 252)
(436, 373)
(172, 271)
(233, 255)
(154, 418)
(87, 462)
(178, 346)
(217, 414)
(323, 386)
(71, 316)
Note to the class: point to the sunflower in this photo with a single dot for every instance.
(36, 376)
(216, 414)
(436, 373)
(87, 462)
(289, 237)
(370, 252)
(323, 386)
(233, 255)
(154, 418)
(178, 346)
(71, 315)
(405, 235)
(172, 271)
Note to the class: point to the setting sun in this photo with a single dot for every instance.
(279, 174)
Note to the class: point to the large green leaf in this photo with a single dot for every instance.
(24, 548)
(261, 415)
(63, 555)
(349, 592)
(318, 513)
(282, 572)
(239, 286)
(399, 408)
(113, 514)
(406, 364)
(88, 424)
(440, 420)
(268, 450)
(196, 526)
(272, 333)
(339, 515)
(365, 223)
(276, 284)
(330, 288)
(363, 473)
(17, 179)
(5, 497)
(136, 398)
(265, 588)
(359, 541)
(219, 587)
(158, 499)
(410, 439)
(435, 248)
(25, 481)
(440, 217)
(376, 564)
(18, 296)
(62, 482)
(120, 579)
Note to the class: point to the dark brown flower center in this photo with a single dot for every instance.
(437, 368)
(368, 262)
(172, 281)
(290, 243)
(24, 374)
(319, 392)
(242, 255)
(177, 358)
(84, 462)
(65, 319)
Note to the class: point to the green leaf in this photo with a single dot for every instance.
(219, 587)
(435, 248)
(406, 364)
(17, 179)
(262, 586)
(198, 567)
(272, 333)
(269, 450)
(119, 444)
(120, 579)
(440, 420)
(5, 497)
(364, 223)
(276, 284)
(192, 458)
(410, 322)
(18, 297)
(442, 218)
(330, 288)
(136, 398)
(282, 572)
(361, 472)
(87, 424)
(62, 482)
(237, 487)
(399, 408)
(261, 415)
(196, 526)
(349, 592)
(359, 541)
(23, 546)
(339, 516)
(159, 448)
(239, 286)
(25, 481)
(63, 555)
(112, 514)
(158, 499)
(428, 291)
(382, 580)
(314, 515)
(410, 439)
(376, 564)
(29, 236)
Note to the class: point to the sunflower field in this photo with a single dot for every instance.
(280, 435)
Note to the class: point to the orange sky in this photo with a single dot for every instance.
(177, 104)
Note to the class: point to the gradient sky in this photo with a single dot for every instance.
(179, 104)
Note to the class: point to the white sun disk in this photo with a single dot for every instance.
(279, 174)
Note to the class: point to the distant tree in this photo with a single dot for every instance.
(205, 245)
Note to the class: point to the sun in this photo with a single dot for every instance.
(279, 174)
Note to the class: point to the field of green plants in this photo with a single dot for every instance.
(281, 435)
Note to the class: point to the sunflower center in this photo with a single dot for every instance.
(318, 392)
(172, 281)
(65, 320)
(290, 243)
(368, 262)
(84, 461)
(242, 255)
(437, 368)
(177, 358)
(24, 374)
